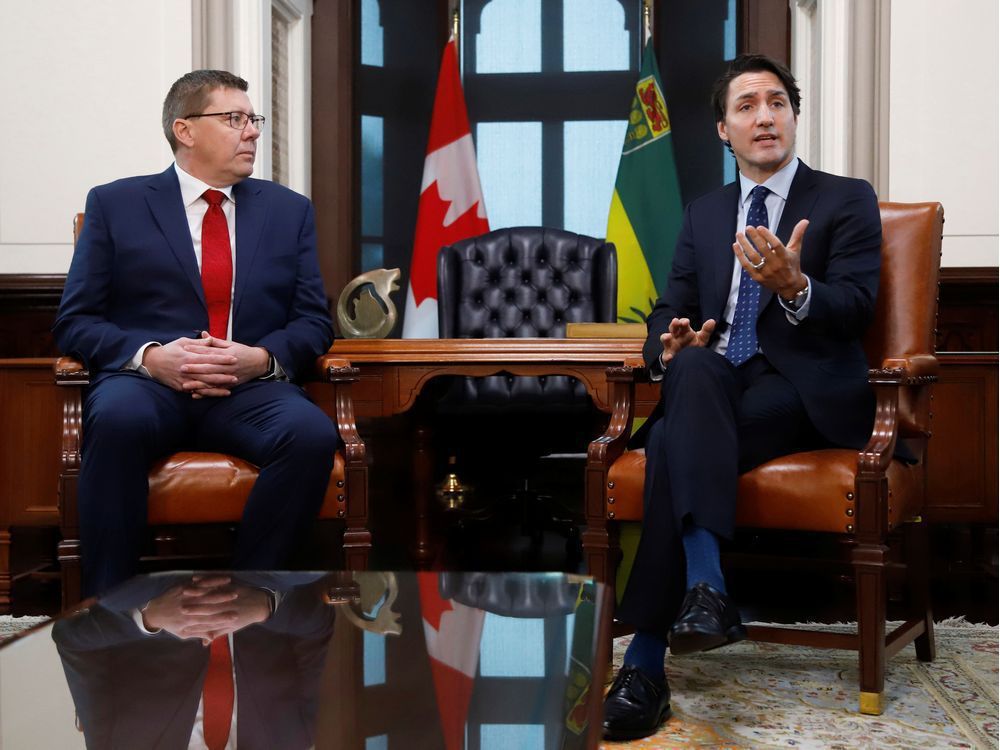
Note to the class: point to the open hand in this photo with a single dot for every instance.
(770, 263)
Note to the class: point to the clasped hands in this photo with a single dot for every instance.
(207, 607)
(769, 262)
(206, 366)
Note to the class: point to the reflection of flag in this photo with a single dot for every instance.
(646, 211)
(451, 201)
(452, 631)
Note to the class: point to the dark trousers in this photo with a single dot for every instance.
(130, 422)
(718, 422)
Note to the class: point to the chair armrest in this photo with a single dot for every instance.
(70, 371)
(901, 407)
(73, 376)
(339, 372)
(913, 366)
(621, 394)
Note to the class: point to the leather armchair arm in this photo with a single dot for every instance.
(72, 375)
(913, 366)
(342, 376)
(70, 371)
(621, 394)
(902, 395)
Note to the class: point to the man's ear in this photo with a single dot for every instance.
(720, 126)
(182, 133)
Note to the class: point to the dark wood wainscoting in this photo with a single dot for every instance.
(28, 305)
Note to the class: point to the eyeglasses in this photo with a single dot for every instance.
(236, 120)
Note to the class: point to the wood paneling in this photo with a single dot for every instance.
(28, 304)
(29, 462)
(962, 455)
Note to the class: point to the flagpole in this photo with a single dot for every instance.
(647, 21)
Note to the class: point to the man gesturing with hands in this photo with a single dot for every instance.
(757, 342)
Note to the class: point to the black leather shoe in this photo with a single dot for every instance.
(708, 619)
(635, 706)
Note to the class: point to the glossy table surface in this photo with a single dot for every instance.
(327, 660)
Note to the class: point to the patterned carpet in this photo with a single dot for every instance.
(759, 695)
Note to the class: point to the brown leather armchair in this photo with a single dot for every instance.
(191, 488)
(859, 497)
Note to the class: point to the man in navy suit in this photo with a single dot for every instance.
(757, 342)
(195, 300)
(138, 662)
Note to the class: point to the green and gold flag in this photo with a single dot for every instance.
(646, 210)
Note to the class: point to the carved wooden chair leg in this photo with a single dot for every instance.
(869, 561)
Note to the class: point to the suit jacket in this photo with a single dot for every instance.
(131, 689)
(822, 356)
(134, 276)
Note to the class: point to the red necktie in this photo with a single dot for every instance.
(216, 264)
(218, 694)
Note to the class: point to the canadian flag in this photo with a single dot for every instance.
(451, 200)
(452, 632)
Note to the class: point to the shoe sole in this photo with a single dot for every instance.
(637, 734)
(690, 643)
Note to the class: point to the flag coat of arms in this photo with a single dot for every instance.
(451, 200)
(646, 211)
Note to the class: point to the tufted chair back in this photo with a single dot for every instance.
(524, 282)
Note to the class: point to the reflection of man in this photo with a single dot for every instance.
(759, 356)
(144, 671)
(194, 298)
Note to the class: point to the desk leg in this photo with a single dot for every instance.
(423, 472)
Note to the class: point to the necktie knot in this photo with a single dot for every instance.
(213, 197)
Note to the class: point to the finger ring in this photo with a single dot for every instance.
(758, 266)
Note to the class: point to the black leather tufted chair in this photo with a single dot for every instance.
(522, 282)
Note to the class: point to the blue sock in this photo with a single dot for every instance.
(647, 651)
(701, 548)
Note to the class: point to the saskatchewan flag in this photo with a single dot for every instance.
(646, 211)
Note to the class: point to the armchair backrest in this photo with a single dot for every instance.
(906, 311)
(525, 282)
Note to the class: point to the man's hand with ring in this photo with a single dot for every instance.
(769, 262)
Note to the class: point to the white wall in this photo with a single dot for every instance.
(82, 84)
(943, 119)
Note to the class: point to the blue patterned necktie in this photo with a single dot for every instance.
(743, 334)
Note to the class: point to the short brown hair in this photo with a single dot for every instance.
(189, 95)
(753, 64)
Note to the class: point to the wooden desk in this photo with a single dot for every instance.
(393, 372)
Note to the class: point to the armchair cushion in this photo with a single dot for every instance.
(811, 491)
(180, 484)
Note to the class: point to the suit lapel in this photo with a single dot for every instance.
(802, 195)
(722, 234)
(251, 214)
(167, 206)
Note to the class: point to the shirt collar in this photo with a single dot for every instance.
(192, 188)
(779, 183)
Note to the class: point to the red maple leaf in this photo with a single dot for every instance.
(432, 605)
(431, 235)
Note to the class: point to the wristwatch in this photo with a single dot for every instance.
(272, 368)
(800, 297)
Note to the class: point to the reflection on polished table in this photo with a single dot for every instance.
(393, 372)
(327, 660)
